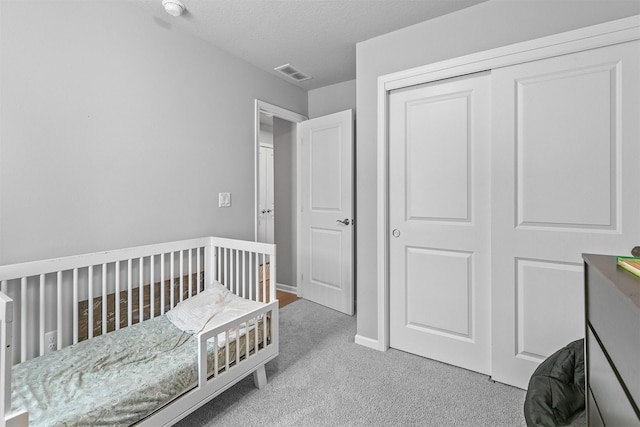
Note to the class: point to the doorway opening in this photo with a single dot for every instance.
(277, 190)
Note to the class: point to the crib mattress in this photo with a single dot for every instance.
(115, 379)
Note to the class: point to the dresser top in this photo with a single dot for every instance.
(626, 282)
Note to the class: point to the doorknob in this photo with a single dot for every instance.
(635, 251)
(343, 221)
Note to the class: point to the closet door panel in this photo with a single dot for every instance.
(439, 206)
(565, 162)
(565, 153)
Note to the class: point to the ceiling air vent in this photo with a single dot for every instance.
(292, 72)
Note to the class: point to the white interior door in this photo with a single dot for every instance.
(565, 159)
(266, 196)
(439, 211)
(326, 241)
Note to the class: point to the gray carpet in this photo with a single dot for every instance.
(321, 378)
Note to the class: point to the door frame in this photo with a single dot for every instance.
(618, 31)
(290, 116)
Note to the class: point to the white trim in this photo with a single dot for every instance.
(368, 342)
(383, 220)
(282, 113)
(299, 209)
(605, 34)
(291, 116)
(287, 288)
(555, 45)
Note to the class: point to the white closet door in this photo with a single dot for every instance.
(439, 203)
(566, 168)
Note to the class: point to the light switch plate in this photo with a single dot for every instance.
(224, 200)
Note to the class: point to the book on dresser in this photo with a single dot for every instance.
(631, 264)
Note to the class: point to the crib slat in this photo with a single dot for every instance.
(90, 302)
(219, 270)
(171, 279)
(226, 263)
(264, 331)
(232, 279)
(216, 358)
(190, 272)
(238, 344)
(162, 283)
(237, 263)
(244, 272)
(272, 278)
(23, 319)
(198, 253)
(141, 290)
(255, 336)
(254, 271)
(181, 253)
(264, 278)
(75, 305)
(3, 287)
(152, 285)
(117, 296)
(246, 339)
(104, 299)
(129, 294)
(226, 351)
(42, 314)
(59, 326)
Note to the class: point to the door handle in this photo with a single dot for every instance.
(344, 221)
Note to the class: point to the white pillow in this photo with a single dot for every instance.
(193, 314)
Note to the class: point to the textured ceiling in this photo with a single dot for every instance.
(316, 36)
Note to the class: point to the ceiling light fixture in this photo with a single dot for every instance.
(173, 7)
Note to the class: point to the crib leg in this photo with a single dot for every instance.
(260, 377)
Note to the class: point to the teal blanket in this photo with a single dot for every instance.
(111, 380)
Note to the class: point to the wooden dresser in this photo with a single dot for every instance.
(612, 358)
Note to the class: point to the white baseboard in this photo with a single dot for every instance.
(287, 288)
(368, 342)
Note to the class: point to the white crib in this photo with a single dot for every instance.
(52, 304)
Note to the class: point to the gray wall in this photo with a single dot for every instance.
(285, 199)
(117, 130)
(332, 99)
(481, 27)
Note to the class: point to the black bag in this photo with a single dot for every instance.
(556, 390)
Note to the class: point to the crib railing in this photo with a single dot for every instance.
(109, 290)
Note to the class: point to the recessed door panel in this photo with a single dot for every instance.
(438, 291)
(326, 165)
(566, 148)
(548, 294)
(325, 254)
(437, 158)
